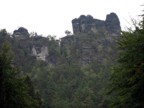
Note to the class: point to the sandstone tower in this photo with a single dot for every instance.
(85, 24)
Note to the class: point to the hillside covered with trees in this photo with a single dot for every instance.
(96, 67)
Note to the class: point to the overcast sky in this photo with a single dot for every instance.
(53, 17)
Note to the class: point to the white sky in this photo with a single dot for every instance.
(53, 17)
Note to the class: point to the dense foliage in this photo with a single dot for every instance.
(74, 73)
(15, 91)
(66, 78)
(127, 81)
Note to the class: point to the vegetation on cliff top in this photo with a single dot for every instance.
(78, 72)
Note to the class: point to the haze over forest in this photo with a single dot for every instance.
(99, 65)
(52, 17)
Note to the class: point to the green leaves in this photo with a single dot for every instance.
(127, 77)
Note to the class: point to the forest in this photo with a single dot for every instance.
(84, 70)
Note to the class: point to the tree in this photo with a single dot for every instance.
(14, 92)
(67, 32)
(127, 81)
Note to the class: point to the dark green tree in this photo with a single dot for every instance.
(14, 92)
(127, 81)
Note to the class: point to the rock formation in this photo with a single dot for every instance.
(85, 24)
(42, 55)
(93, 39)
(21, 33)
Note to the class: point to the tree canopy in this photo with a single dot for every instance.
(15, 92)
(127, 81)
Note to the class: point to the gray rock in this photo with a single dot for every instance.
(86, 24)
(21, 33)
(112, 23)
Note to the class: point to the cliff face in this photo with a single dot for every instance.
(93, 40)
(77, 65)
(86, 24)
(85, 49)
(32, 49)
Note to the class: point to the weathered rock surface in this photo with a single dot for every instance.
(86, 24)
(42, 54)
(94, 40)
(21, 33)
(85, 49)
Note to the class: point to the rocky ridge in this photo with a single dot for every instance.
(86, 24)
(93, 40)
